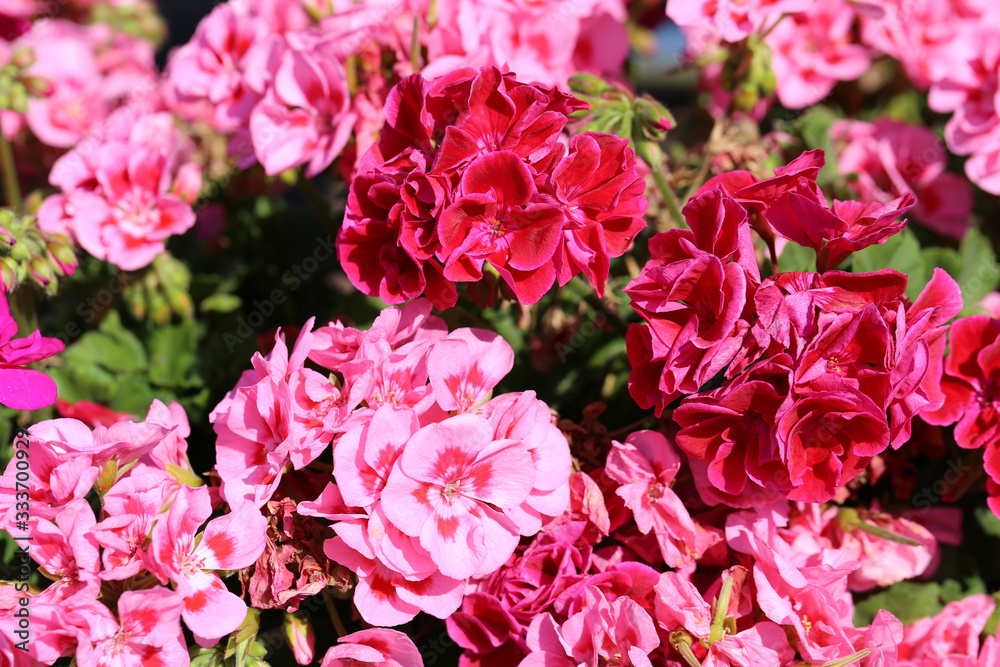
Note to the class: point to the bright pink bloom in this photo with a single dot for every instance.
(208, 75)
(445, 486)
(812, 50)
(378, 647)
(620, 630)
(645, 465)
(970, 90)
(126, 193)
(730, 20)
(229, 542)
(305, 116)
(890, 158)
(544, 42)
(147, 633)
(466, 365)
(24, 388)
(948, 637)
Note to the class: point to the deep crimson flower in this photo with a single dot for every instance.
(501, 220)
(470, 170)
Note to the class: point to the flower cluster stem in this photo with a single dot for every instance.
(12, 190)
(669, 198)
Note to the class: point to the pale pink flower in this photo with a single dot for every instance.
(466, 365)
(147, 633)
(305, 117)
(812, 50)
(131, 507)
(378, 647)
(229, 542)
(645, 465)
(449, 488)
(522, 417)
(385, 597)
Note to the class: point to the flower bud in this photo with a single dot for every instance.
(300, 636)
(38, 86)
(18, 97)
(8, 275)
(41, 271)
(60, 254)
(23, 57)
(588, 84)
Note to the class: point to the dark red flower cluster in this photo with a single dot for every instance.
(971, 385)
(474, 168)
(821, 371)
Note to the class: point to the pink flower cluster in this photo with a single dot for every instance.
(126, 189)
(811, 43)
(890, 158)
(545, 42)
(276, 74)
(89, 70)
(970, 91)
(152, 530)
(944, 45)
(822, 370)
(472, 169)
(771, 586)
(435, 481)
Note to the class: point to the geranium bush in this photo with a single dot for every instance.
(399, 332)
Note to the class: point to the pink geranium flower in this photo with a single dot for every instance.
(305, 116)
(377, 647)
(447, 488)
(645, 465)
(147, 633)
(229, 542)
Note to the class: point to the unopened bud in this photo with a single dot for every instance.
(60, 254)
(38, 86)
(8, 275)
(41, 271)
(301, 638)
(588, 84)
(18, 97)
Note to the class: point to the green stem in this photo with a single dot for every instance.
(22, 309)
(642, 150)
(415, 45)
(331, 609)
(10, 186)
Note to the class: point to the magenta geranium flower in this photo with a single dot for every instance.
(23, 388)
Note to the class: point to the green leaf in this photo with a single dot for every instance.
(815, 133)
(134, 395)
(221, 303)
(797, 258)
(988, 521)
(173, 352)
(908, 601)
(900, 252)
(979, 272)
